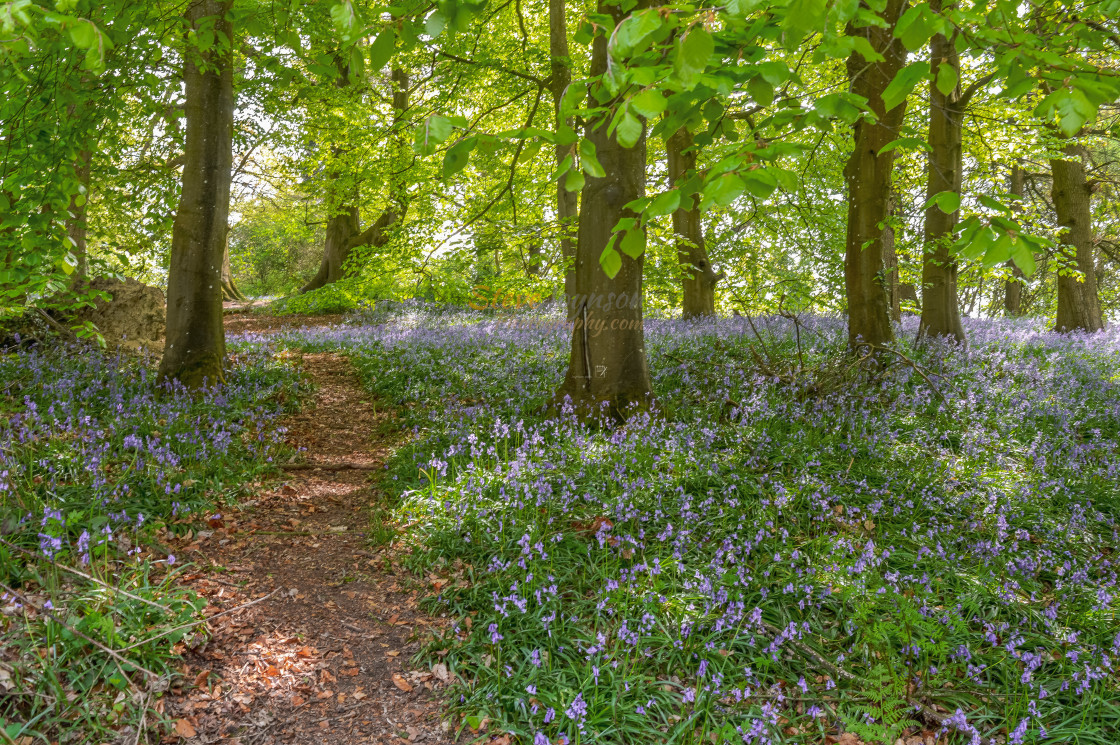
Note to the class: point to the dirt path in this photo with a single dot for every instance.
(323, 658)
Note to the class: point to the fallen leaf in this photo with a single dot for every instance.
(392, 653)
(183, 728)
(401, 683)
(440, 671)
(305, 652)
(359, 695)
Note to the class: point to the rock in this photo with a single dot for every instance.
(134, 321)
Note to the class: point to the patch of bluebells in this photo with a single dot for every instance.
(777, 538)
(92, 450)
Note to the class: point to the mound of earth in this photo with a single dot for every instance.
(134, 320)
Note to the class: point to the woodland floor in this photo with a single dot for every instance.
(323, 656)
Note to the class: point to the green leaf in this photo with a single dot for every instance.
(946, 201)
(915, 143)
(947, 78)
(759, 183)
(993, 204)
(904, 82)
(761, 91)
(357, 62)
(589, 160)
(382, 48)
(344, 18)
(633, 33)
(457, 157)
(1023, 256)
(1074, 111)
(649, 103)
(724, 190)
(774, 73)
(84, 35)
(665, 203)
(693, 53)
(574, 180)
(633, 243)
(697, 48)
(437, 128)
(915, 27)
(803, 16)
(435, 24)
(629, 129)
(611, 262)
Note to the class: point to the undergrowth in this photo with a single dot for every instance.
(96, 462)
(798, 544)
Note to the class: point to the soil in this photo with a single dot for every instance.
(323, 655)
(133, 320)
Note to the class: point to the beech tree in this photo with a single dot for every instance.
(868, 172)
(698, 277)
(195, 349)
(608, 358)
(1079, 306)
(941, 315)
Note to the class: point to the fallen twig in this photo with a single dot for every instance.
(112, 653)
(94, 580)
(201, 620)
(326, 467)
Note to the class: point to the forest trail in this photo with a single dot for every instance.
(323, 656)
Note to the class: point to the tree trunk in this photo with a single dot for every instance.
(698, 278)
(890, 263)
(607, 369)
(344, 232)
(229, 287)
(567, 202)
(941, 315)
(1013, 286)
(868, 175)
(195, 350)
(76, 226)
(1079, 307)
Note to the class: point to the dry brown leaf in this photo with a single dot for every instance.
(183, 728)
(392, 653)
(400, 682)
(305, 652)
(440, 671)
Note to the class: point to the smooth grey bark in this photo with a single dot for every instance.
(890, 263)
(698, 277)
(77, 226)
(1079, 307)
(607, 368)
(941, 315)
(567, 202)
(229, 286)
(868, 177)
(195, 350)
(1013, 285)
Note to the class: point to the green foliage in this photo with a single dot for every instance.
(273, 246)
(80, 534)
